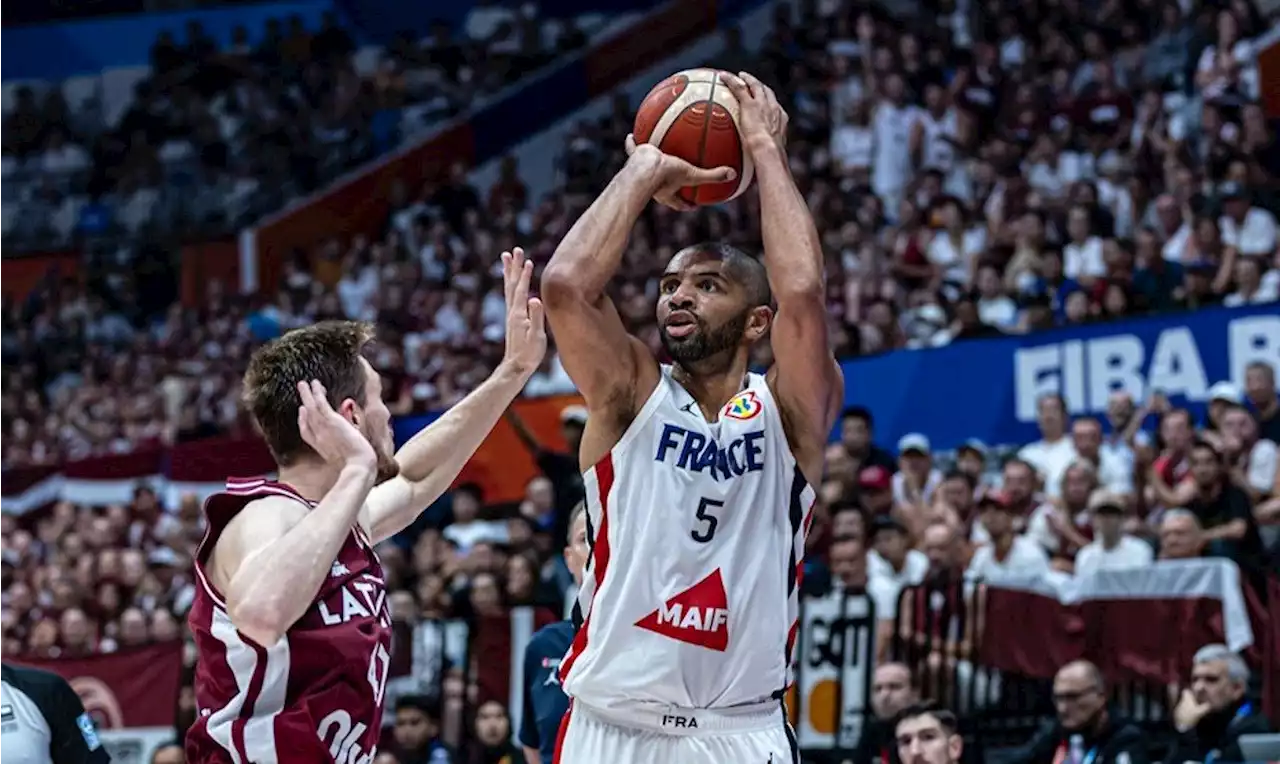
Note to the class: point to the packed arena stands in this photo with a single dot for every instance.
(1053, 278)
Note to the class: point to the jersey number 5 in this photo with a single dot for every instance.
(707, 521)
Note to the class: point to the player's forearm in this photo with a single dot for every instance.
(274, 587)
(532, 755)
(792, 249)
(590, 254)
(432, 459)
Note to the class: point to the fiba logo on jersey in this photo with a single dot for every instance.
(745, 405)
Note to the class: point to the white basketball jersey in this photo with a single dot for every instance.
(690, 596)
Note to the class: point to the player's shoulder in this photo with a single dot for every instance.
(265, 515)
(260, 521)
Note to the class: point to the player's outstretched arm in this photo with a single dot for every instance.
(805, 375)
(432, 459)
(611, 369)
(273, 556)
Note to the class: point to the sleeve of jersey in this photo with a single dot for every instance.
(73, 737)
(529, 717)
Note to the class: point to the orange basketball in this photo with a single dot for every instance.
(694, 116)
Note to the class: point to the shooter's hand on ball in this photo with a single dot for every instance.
(762, 120)
(674, 173)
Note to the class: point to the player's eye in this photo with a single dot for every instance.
(708, 285)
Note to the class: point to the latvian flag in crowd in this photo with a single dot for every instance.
(200, 467)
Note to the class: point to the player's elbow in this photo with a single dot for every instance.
(558, 286)
(262, 622)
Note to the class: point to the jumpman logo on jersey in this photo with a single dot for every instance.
(688, 408)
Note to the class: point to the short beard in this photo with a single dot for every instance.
(704, 343)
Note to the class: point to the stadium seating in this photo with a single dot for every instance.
(995, 187)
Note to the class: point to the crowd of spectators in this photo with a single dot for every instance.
(216, 136)
(1003, 169)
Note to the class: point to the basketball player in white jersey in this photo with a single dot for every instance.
(699, 474)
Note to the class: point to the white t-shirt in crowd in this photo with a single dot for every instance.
(1128, 553)
(852, 147)
(1261, 471)
(913, 570)
(954, 262)
(1255, 236)
(1084, 260)
(1025, 558)
(931, 484)
(467, 535)
(1050, 460)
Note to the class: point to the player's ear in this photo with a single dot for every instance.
(350, 411)
(758, 322)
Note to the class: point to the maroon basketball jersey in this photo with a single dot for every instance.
(314, 696)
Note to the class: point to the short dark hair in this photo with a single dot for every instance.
(859, 412)
(422, 703)
(955, 474)
(740, 267)
(472, 489)
(946, 719)
(330, 352)
(1200, 444)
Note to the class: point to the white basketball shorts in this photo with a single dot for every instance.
(679, 736)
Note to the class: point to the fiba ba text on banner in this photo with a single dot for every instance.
(1000, 380)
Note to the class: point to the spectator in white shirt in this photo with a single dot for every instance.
(1082, 256)
(1113, 474)
(1252, 461)
(916, 479)
(1250, 288)
(1112, 548)
(891, 556)
(1251, 230)
(467, 529)
(1009, 553)
(1052, 454)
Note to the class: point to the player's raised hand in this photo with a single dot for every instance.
(330, 434)
(675, 173)
(762, 120)
(526, 326)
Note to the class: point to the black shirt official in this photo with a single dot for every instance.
(42, 721)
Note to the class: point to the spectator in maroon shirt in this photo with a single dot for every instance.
(1104, 113)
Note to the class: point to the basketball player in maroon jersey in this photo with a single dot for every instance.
(291, 618)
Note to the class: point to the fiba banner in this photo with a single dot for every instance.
(835, 654)
(999, 380)
(126, 689)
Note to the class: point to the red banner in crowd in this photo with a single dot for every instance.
(23, 274)
(1134, 624)
(131, 688)
(502, 466)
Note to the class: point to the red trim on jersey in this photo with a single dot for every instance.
(561, 734)
(600, 561)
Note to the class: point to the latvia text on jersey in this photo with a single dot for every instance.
(315, 695)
